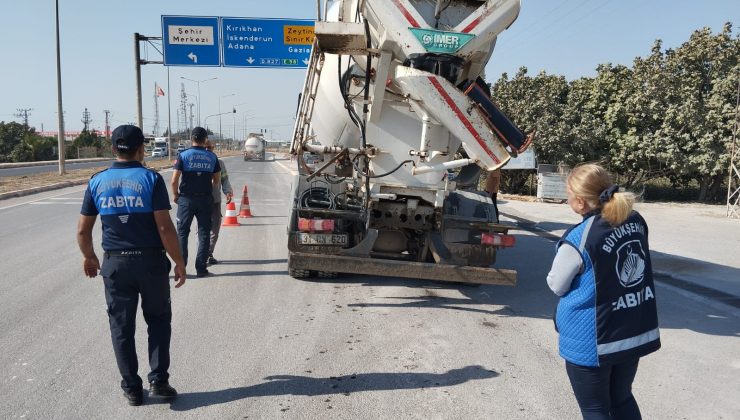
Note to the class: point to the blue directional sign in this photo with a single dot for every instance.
(249, 42)
(191, 41)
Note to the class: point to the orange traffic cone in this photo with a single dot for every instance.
(230, 218)
(244, 210)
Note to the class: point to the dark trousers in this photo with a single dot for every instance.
(605, 392)
(126, 278)
(200, 208)
(216, 217)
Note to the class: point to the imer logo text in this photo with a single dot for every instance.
(440, 41)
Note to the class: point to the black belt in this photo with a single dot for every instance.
(148, 252)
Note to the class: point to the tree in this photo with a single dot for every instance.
(671, 114)
(87, 139)
(699, 120)
(11, 135)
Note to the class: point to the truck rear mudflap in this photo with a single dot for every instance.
(406, 269)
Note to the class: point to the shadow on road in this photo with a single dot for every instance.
(248, 273)
(531, 298)
(308, 386)
(252, 262)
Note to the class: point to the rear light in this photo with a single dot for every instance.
(315, 225)
(497, 239)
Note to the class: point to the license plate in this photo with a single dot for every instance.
(322, 239)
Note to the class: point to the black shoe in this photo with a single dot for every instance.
(162, 390)
(211, 260)
(204, 274)
(134, 397)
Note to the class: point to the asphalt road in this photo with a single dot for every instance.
(251, 342)
(28, 170)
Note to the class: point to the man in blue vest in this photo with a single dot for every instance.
(134, 207)
(197, 172)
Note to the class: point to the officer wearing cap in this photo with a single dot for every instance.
(195, 175)
(133, 205)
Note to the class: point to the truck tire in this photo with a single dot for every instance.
(326, 274)
(299, 274)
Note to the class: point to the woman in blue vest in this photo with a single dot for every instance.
(607, 316)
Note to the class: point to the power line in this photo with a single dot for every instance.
(86, 120)
(23, 113)
(520, 32)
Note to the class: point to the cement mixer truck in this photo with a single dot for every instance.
(393, 99)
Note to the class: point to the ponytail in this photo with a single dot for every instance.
(594, 184)
(618, 208)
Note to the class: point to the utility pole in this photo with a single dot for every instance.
(191, 105)
(23, 113)
(184, 106)
(86, 120)
(107, 124)
(137, 55)
(60, 112)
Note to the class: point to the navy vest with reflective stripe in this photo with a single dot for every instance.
(123, 197)
(197, 165)
(609, 315)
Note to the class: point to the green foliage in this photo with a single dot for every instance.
(11, 135)
(87, 139)
(669, 116)
(19, 143)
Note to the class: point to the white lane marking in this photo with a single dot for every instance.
(284, 166)
(78, 190)
(66, 198)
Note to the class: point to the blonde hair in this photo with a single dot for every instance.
(588, 181)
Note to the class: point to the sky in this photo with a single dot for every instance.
(568, 37)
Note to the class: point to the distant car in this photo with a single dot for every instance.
(159, 152)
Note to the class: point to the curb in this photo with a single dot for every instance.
(704, 291)
(660, 274)
(34, 190)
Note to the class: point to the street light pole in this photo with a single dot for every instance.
(60, 113)
(198, 82)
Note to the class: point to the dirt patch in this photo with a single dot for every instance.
(43, 179)
(515, 197)
(489, 324)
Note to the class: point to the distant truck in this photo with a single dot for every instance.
(254, 147)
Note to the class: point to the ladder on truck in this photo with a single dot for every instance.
(307, 100)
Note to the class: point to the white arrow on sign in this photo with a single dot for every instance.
(250, 60)
(193, 58)
(305, 61)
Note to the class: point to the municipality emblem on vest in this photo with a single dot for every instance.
(631, 263)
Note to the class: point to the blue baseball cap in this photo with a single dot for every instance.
(127, 138)
(199, 133)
